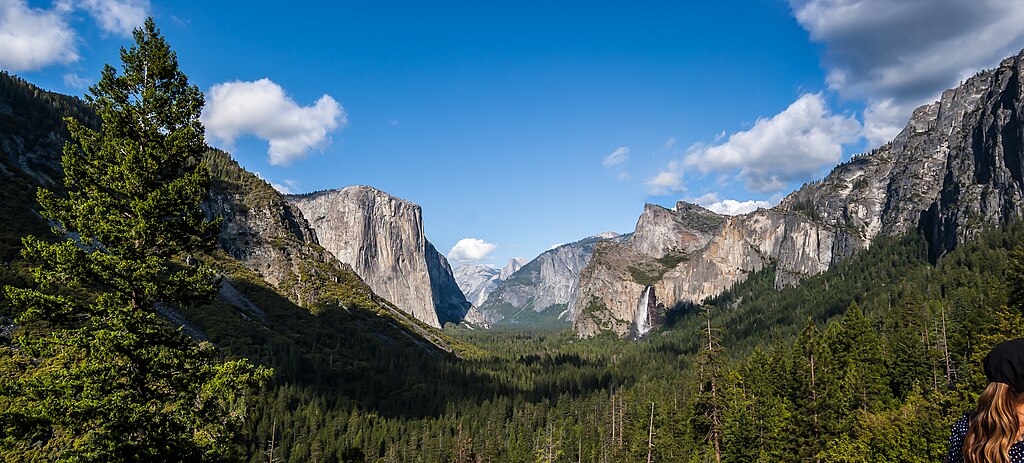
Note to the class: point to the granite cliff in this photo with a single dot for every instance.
(381, 237)
(540, 292)
(954, 169)
(477, 280)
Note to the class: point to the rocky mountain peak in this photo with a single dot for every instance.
(661, 231)
(513, 266)
(382, 238)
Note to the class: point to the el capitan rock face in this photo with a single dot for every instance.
(956, 167)
(381, 238)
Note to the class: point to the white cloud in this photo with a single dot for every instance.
(283, 189)
(73, 80)
(899, 55)
(117, 16)
(790, 146)
(261, 108)
(669, 143)
(33, 38)
(730, 206)
(553, 246)
(619, 156)
(286, 187)
(470, 250)
(667, 180)
(884, 119)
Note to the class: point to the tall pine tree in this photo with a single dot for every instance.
(109, 378)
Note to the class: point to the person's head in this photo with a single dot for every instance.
(996, 424)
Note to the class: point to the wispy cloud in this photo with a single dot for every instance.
(117, 16)
(73, 80)
(619, 156)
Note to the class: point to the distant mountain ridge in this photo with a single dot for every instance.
(478, 280)
(539, 293)
(956, 168)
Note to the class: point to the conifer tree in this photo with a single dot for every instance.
(110, 379)
(809, 391)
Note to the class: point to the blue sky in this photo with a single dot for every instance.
(526, 124)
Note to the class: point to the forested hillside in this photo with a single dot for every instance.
(870, 361)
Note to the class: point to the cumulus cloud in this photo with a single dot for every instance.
(899, 55)
(730, 206)
(619, 156)
(33, 38)
(262, 109)
(470, 250)
(117, 16)
(667, 180)
(790, 146)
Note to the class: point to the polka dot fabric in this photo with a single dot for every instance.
(956, 444)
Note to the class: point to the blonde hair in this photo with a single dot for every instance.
(994, 426)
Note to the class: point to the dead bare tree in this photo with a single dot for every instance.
(650, 435)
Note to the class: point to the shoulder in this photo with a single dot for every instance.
(957, 434)
(960, 426)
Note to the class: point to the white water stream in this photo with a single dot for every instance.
(642, 322)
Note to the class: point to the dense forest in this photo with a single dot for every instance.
(871, 361)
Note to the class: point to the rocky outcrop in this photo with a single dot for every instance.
(267, 235)
(477, 281)
(984, 177)
(547, 284)
(956, 168)
(381, 238)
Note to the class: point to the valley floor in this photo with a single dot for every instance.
(871, 361)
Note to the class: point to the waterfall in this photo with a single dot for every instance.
(642, 321)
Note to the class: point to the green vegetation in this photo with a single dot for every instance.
(33, 122)
(551, 318)
(650, 272)
(97, 373)
(871, 330)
